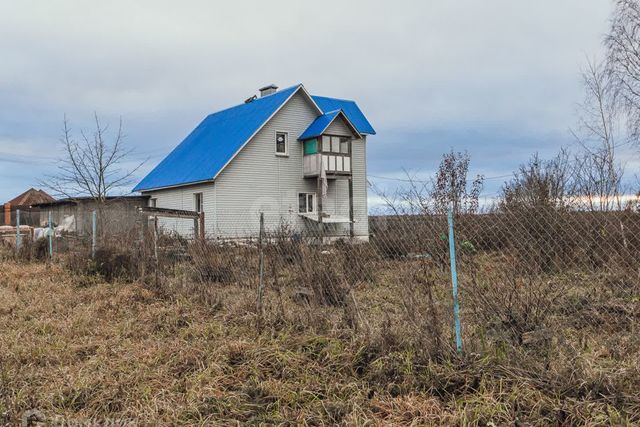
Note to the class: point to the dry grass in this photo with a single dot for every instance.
(189, 353)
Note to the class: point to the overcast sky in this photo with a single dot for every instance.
(499, 78)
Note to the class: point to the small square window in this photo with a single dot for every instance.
(306, 202)
(282, 143)
(153, 203)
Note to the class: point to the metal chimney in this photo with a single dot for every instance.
(268, 90)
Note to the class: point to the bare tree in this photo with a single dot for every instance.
(91, 166)
(598, 174)
(623, 60)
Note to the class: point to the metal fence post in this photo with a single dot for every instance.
(454, 280)
(50, 235)
(18, 236)
(155, 250)
(94, 228)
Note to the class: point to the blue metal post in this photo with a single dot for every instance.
(18, 236)
(50, 236)
(454, 281)
(94, 227)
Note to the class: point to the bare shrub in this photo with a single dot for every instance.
(411, 236)
(421, 297)
(510, 304)
(322, 273)
(537, 184)
(78, 263)
(215, 262)
(358, 261)
(116, 264)
(284, 245)
(31, 250)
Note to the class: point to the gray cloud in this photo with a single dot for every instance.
(498, 75)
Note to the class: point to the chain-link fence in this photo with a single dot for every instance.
(526, 277)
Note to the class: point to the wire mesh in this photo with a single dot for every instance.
(528, 277)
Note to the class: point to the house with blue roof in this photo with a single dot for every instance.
(297, 158)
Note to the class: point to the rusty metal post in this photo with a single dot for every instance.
(201, 225)
(259, 306)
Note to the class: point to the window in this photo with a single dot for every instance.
(153, 203)
(306, 202)
(344, 145)
(310, 146)
(326, 143)
(198, 201)
(282, 143)
(335, 144)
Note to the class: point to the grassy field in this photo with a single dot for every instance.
(80, 350)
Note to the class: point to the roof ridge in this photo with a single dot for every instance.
(337, 99)
(255, 100)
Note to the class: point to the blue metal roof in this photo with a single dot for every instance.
(350, 109)
(317, 127)
(321, 123)
(215, 141)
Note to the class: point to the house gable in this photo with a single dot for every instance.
(215, 141)
(341, 126)
(332, 121)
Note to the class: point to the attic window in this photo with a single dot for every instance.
(282, 144)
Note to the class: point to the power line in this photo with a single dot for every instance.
(8, 156)
(427, 181)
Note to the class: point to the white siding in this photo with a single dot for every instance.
(338, 127)
(183, 198)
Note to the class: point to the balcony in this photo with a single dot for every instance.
(333, 164)
(334, 155)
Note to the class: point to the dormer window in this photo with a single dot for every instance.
(282, 144)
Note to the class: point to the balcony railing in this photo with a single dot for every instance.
(334, 164)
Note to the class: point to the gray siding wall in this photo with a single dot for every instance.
(339, 127)
(257, 180)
